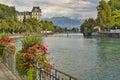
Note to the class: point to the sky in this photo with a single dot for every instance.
(76, 9)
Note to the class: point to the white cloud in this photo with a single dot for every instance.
(52, 8)
(56, 11)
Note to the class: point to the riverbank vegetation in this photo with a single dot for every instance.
(108, 17)
(9, 23)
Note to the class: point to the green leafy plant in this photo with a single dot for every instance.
(32, 52)
(20, 64)
(29, 41)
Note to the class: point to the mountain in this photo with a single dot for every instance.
(65, 22)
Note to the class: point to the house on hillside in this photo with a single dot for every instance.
(35, 13)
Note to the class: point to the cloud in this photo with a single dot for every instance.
(51, 8)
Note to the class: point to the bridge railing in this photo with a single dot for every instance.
(55, 74)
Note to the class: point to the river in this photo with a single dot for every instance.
(84, 58)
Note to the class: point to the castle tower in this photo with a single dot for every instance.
(36, 13)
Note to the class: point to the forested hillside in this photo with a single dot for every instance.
(9, 23)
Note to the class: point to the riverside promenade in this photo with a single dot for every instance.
(5, 73)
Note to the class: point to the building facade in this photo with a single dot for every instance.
(35, 13)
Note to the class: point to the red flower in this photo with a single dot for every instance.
(6, 40)
(48, 69)
(1, 40)
(10, 39)
(30, 50)
(33, 44)
(43, 49)
(34, 50)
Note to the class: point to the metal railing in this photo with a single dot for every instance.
(55, 74)
(41, 73)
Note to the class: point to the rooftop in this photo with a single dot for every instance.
(36, 9)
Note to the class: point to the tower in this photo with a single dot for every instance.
(36, 13)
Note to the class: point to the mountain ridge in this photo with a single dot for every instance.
(65, 22)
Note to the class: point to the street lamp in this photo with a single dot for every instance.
(115, 28)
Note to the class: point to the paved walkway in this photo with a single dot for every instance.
(5, 74)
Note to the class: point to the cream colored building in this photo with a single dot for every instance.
(35, 13)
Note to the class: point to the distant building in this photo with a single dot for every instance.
(35, 13)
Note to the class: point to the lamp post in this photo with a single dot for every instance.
(115, 28)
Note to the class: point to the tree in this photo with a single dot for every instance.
(115, 4)
(112, 4)
(34, 23)
(4, 27)
(104, 18)
(116, 18)
(75, 29)
(89, 24)
(6, 11)
(57, 29)
(47, 25)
